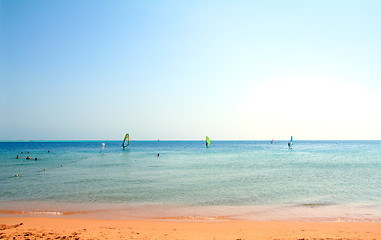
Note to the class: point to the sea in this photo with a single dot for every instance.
(185, 180)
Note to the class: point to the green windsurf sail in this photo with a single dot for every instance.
(126, 141)
(207, 141)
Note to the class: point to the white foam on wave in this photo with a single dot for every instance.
(44, 213)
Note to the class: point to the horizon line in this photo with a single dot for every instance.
(156, 140)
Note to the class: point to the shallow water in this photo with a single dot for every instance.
(318, 180)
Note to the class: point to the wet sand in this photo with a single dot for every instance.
(73, 228)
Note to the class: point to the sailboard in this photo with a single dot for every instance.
(126, 141)
(290, 143)
(103, 146)
(207, 141)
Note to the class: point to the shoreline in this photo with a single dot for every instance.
(77, 228)
(150, 211)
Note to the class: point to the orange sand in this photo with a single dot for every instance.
(68, 228)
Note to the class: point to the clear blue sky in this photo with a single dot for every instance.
(185, 69)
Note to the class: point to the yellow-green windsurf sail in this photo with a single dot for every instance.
(126, 141)
(207, 141)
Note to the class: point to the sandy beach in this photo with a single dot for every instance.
(71, 228)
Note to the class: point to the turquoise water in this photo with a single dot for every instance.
(323, 180)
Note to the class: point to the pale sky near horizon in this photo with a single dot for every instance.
(239, 70)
